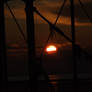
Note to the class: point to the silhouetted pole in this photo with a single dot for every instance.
(31, 45)
(73, 47)
(3, 63)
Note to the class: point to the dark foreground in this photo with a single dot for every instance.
(65, 85)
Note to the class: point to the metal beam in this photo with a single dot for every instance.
(75, 86)
(3, 57)
(31, 45)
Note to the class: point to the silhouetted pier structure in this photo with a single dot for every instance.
(3, 56)
(32, 83)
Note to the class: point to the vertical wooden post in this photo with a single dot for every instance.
(73, 47)
(3, 63)
(31, 45)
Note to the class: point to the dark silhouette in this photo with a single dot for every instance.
(3, 57)
(38, 78)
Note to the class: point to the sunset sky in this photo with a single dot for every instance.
(17, 55)
(49, 8)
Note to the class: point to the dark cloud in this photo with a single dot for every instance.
(79, 13)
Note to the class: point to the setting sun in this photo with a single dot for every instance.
(51, 48)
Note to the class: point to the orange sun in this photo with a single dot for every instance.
(51, 49)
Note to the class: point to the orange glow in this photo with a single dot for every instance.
(51, 48)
